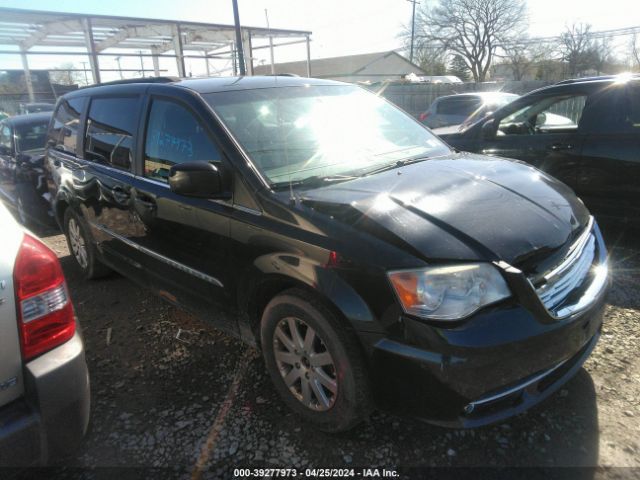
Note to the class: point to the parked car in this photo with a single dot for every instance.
(36, 107)
(371, 264)
(454, 110)
(44, 383)
(594, 147)
(22, 180)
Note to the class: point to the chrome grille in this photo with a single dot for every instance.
(569, 274)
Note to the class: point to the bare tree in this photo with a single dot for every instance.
(473, 29)
(431, 60)
(577, 47)
(635, 51)
(521, 58)
(65, 74)
(602, 55)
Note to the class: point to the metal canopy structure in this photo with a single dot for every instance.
(33, 32)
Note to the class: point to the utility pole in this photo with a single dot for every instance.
(413, 26)
(239, 48)
(119, 67)
(84, 68)
(141, 63)
(273, 67)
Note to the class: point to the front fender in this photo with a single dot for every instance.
(290, 270)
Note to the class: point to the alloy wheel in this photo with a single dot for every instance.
(305, 363)
(78, 245)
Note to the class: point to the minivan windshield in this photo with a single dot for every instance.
(293, 134)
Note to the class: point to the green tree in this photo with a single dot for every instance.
(459, 68)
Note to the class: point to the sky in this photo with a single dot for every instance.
(340, 27)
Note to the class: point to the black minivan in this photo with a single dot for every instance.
(371, 264)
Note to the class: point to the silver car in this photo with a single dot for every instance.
(44, 381)
(458, 109)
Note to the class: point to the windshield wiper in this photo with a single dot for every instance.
(315, 180)
(398, 164)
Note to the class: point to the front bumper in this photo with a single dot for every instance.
(472, 380)
(52, 418)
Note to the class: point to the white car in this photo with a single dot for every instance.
(44, 381)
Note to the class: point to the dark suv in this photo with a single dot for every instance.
(22, 179)
(369, 262)
(585, 132)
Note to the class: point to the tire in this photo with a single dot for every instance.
(333, 356)
(81, 247)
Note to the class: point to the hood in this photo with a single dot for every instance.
(459, 207)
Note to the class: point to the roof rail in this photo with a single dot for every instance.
(592, 79)
(165, 79)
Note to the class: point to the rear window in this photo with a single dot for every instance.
(32, 136)
(111, 123)
(464, 106)
(66, 122)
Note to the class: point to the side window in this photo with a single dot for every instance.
(111, 124)
(547, 115)
(624, 115)
(5, 137)
(66, 122)
(174, 135)
(634, 104)
(614, 111)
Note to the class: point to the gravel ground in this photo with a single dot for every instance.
(171, 393)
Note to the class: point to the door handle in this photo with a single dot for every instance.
(556, 147)
(120, 195)
(146, 202)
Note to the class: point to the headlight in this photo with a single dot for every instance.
(448, 292)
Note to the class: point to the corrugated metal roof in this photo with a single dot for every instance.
(36, 28)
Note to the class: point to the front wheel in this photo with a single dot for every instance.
(81, 247)
(315, 364)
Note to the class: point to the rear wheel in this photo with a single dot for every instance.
(81, 247)
(315, 364)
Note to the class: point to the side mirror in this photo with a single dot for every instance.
(489, 129)
(541, 119)
(23, 158)
(200, 179)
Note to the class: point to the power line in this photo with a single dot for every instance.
(616, 32)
